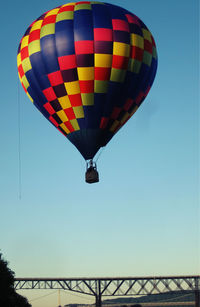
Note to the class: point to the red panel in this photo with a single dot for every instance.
(66, 8)
(120, 25)
(103, 123)
(49, 94)
(24, 88)
(75, 100)
(67, 62)
(115, 112)
(132, 19)
(86, 86)
(103, 34)
(120, 62)
(49, 108)
(21, 71)
(53, 121)
(69, 126)
(55, 78)
(24, 53)
(49, 19)
(63, 132)
(35, 35)
(148, 46)
(139, 97)
(137, 53)
(128, 104)
(84, 47)
(102, 73)
(153, 41)
(147, 91)
(70, 113)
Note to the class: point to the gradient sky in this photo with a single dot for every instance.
(142, 218)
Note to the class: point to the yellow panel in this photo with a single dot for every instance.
(26, 64)
(62, 116)
(134, 110)
(117, 75)
(34, 47)
(114, 125)
(84, 6)
(147, 35)
(24, 42)
(19, 77)
(87, 99)
(65, 102)
(137, 40)
(100, 86)
(78, 111)
(121, 49)
(72, 87)
(19, 61)
(29, 97)
(36, 26)
(103, 60)
(147, 58)
(75, 124)
(47, 30)
(154, 53)
(52, 12)
(65, 16)
(85, 73)
(124, 118)
(65, 128)
(25, 82)
(134, 65)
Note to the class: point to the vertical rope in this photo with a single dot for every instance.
(19, 144)
(99, 154)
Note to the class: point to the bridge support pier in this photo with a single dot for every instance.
(98, 293)
(98, 300)
(197, 298)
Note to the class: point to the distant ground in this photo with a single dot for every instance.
(172, 299)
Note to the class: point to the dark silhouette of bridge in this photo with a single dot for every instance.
(116, 286)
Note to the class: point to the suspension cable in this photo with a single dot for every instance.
(19, 143)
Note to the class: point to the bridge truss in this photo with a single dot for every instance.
(121, 286)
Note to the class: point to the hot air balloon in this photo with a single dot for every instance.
(87, 67)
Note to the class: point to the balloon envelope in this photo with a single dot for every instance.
(87, 67)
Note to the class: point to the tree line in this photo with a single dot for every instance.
(8, 296)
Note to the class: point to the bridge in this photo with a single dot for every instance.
(116, 286)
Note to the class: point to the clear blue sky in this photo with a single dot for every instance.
(142, 218)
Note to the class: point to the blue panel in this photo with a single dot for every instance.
(81, 122)
(121, 36)
(144, 73)
(87, 141)
(37, 101)
(35, 87)
(39, 70)
(153, 70)
(130, 84)
(64, 35)
(99, 103)
(116, 12)
(83, 25)
(101, 16)
(135, 29)
(27, 31)
(114, 97)
(49, 53)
